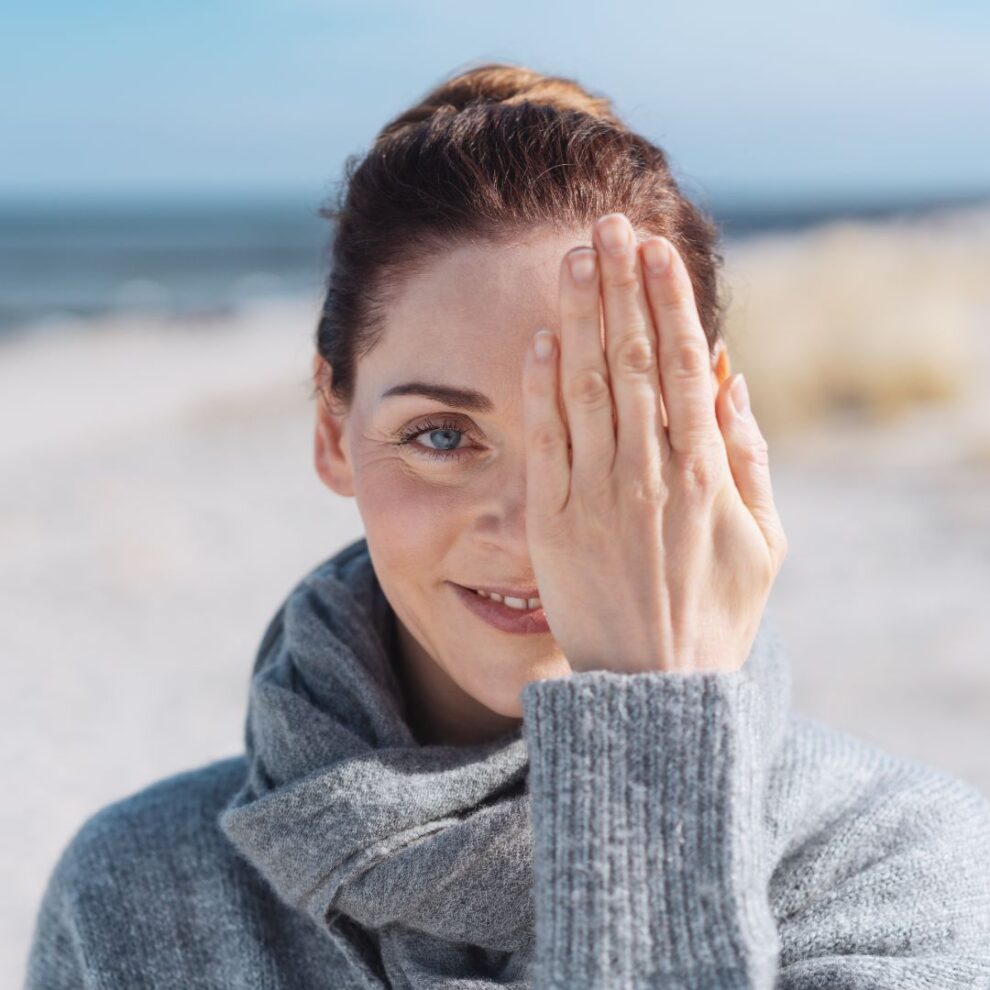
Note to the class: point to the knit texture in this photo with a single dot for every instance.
(649, 830)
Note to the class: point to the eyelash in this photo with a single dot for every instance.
(408, 435)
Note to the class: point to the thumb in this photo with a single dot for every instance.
(749, 460)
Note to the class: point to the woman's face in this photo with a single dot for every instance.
(449, 505)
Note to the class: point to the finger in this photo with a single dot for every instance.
(685, 372)
(584, 375)
(749, 461)
(548, 469)
(630, 342)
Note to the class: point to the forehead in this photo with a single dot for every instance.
(470, 313)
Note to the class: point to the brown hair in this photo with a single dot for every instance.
(487, 154)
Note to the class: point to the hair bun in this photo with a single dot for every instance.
(501, 82)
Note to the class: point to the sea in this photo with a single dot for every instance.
(82, 258)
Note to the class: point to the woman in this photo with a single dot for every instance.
(533, 728)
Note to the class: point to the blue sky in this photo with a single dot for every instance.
(771, 98)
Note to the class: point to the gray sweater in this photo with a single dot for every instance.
(652, 830)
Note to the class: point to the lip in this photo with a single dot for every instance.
(501, 616)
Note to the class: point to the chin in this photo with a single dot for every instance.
(499, 698)
(507, 707)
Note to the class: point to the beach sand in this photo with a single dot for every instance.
(159, 500)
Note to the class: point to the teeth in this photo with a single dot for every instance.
(522, 604)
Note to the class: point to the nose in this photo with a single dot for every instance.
(501, 523)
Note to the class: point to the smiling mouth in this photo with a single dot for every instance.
(517, 602)
(497, 614)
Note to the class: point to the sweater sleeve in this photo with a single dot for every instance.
(653, 854)
(646, 796)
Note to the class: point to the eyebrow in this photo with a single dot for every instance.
(459, 398)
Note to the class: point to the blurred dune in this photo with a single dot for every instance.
(865, 318)
(159, 500)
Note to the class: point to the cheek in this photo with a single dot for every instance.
(411, 519)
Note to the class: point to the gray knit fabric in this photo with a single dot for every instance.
(653, 830)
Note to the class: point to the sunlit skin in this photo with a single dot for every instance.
(468, 321)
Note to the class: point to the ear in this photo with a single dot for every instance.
(329, 453)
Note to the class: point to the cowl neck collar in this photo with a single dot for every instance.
(417, 860)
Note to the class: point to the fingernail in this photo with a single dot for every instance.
(739, 394)
(656, 254)
(614, 234)
(583, 265)
(543, 344)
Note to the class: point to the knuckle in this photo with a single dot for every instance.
(679, 296)
(634, 354)
(757, 452)
(700, 474)
(646, 491)
(545, 438)
(689, 360)
(588, 388)
(540, 399)
(675, 308)
(621, 278)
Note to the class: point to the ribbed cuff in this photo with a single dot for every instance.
(646, 796)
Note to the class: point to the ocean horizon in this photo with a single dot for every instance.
(81, 258)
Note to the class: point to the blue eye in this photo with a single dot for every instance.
(406, 437)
